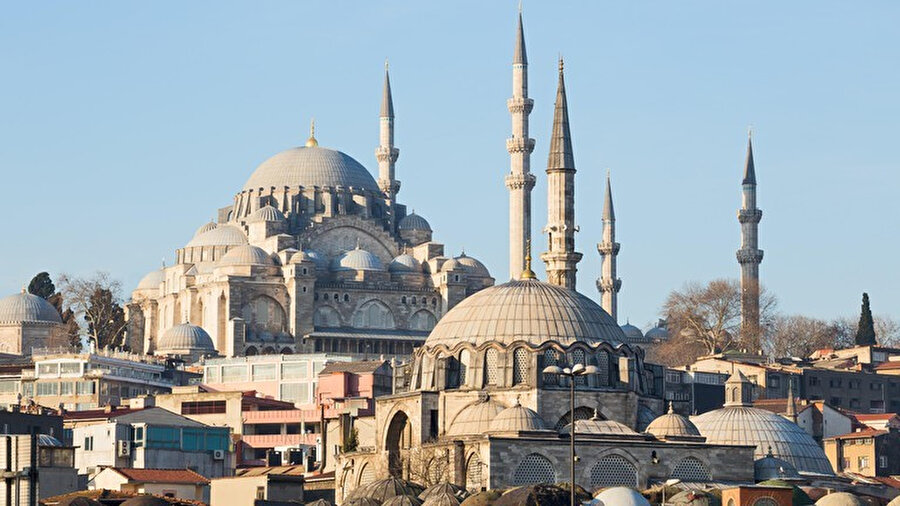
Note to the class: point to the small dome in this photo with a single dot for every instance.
(657, 334)
(402, 500)
(357, 260)
(152, 280)
(413, 221)
(473, 266)
(442, 499)
(620, 496)
(596, 426)
(266, 213)
(312, 256)
(224, 235)
(48, 440)
(672, 424)
(840, 499)
(475, 418)
(146, 500)
(246, 255)
(186, 337)
(308, 167)
(24, 307)
(444, 488)
(773, 468)
(632, 333)
(517, 418)
(452, 265)
(382, 490)
(405, 263)
(206, 228)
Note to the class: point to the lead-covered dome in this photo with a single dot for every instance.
(185, 337)
(472, 265)
(525, 310)
(357, 260)
(405, 263)
(475, 418)
(632, 333)
(672, 424)
(206, 228)
(310, 166)
(152, 280)
(310, 255)
(413, 221)
(223, 235)
(517, 418)
(771, 467)
(266, 214)
(27, 308)
(246, 254)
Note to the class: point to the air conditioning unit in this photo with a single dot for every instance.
(218, 454)
(124, 448)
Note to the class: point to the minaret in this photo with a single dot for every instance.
(749, 256)
(608, 284)
(520, 180)
(386, 153)
(561, 258)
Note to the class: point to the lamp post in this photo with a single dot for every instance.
(578, 370)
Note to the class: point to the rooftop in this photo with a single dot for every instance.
(162, 475)
(860, 434)
(359, 367)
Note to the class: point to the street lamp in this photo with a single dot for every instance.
(578, 370)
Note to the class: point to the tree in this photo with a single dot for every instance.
(429, 465)
(96, 299)
(888, 331)
(42, 286)
(865, 331)
(352, 441)
(710, 315)
(799, 336)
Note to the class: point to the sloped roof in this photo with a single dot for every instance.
(358, 367)
(861, 433)
(154, 415)
(161, 475)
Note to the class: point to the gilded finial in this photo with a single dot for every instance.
(312, 142)
(527, 273)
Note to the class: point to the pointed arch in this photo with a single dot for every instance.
(373, 314)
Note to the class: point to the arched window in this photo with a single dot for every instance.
(520, 366)
(581, 413)
(451, 370)
(346, 298)
(250, 351)
(765, 501)
(264, 318)
(613, 471)
(422, 320)
(534, 469)
(367, 475)
(576, 356)
(690, 469)
(326, 316)
(491, 367)
(465, 360)
(403, 299)
(373, 315)
(551, 357)
(474, 481)
(601, 361)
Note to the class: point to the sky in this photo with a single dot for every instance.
(125, 125)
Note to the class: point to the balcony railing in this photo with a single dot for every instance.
(281, 416)
(273, 440)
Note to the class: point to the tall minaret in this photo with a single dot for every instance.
(386, 153)
(520, 180)
(608, 284)
(749, 256)
(561, 258)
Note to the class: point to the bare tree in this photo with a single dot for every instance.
(429, 465)
(888, 330)
(97, 301)
(710, 315)
(799, 336)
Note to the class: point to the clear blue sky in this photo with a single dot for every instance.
(124, 125)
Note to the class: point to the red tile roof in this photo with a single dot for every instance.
(861, 433)
(872, 417)
(894, 364)
(162, 475)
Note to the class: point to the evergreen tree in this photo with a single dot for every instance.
(352, 441)
(106, 319)
(865, 332)
(42, 286)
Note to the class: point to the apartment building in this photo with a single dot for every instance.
(869, 452)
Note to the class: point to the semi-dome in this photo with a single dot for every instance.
(357, 260)
(475, 418)
(413, 221)
(405, 263)
(517, 418)
(185, 337)
(632, 333)
(310, 255)
(745, 425)
(266, 213)
(223, 235)
(597, 426)
(771, 467)
(152, 280)
(672, 424)
(206, 228)
(525, 310)
(472, 265)
(620, 496)
(246, 255)
(27, 308)
(311, 166)
(841, 499)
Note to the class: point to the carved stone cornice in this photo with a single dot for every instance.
(386, 154)
(608, 248)
(520, 105)
(605, 285)
(749, 256)
(519, 145)
(749, 215)
(520, 181)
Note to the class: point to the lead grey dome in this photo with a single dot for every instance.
(223, 235)
(632, 333)
(152, 280)
(472, 265)
(771, 467)
(266, 213)
(206, 228)
(27, 308)
(310, 255)
(525, 310)
(841, 499)
(517, 418)
(309, 167)
(357, 260)
(621, 496)
(185, 337)
(413, 221)
(246, 255)
(672, 424)
(405, 263)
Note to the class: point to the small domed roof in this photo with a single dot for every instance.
(223, 235)
(266, 213)
(621, 496)
(152, 280)
(525, 310)
(672, 424)
(475, 418)
(840, 499)
(444, 488)
(246, 254)
(403, 500)
(405, 263)
(206, 228)
(632, 333)
(310, 255)
(311, 166)
(357, 260)
(48, 440)
(413, 221)
(442, 499)
(596, 426)
(185, 337)
(383, 490)
(657, 334)
(472, 265)
(517, 418)
(24, 307)
(146, 500)
(451, 265)
(773, 468)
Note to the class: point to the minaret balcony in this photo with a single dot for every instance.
(608, 248)
(749, 256)
(520, 181)
(605, 285)
(519, 145)
(520, 105)
(749, 215)
(387, 154)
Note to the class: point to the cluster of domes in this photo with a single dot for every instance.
(311, 166)
(27, 308)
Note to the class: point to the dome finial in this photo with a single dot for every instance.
(528, 273)
(312, 142)
(671, 409)
(357, 243)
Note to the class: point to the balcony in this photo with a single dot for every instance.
(281, 416)
(273, 440)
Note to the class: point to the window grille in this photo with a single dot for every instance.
(473, 474)
(534, 468)
(551, 357)
(690, 469)
(520, 366)
(464, 360)
(576, 356)
(366, 476)
(491, 369)
(581, 413)
(602, 368)
(613, 471)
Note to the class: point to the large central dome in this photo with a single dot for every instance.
(526, 310)
(311, 166)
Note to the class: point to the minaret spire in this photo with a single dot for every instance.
(749, 256)
(386, 153)
(520, 180)
(608, 284)
(561, 258)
